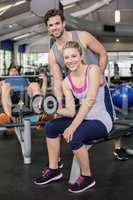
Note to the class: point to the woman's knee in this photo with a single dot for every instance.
(33, 89)
(34, 86)
(75, 145)
(51, 130)
(5, 89)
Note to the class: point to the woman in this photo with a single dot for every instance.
(92, 120)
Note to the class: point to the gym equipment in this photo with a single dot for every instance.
(19, 124)
(50, 104)
(122, 96)
(37, 101)
(116, 72)
(22, 129)
(23, 132)
(19, 76)
(47, 105)
(131, 69)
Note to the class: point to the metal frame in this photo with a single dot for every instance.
(23, 133)
(24, 137)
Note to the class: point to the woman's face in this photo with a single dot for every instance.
(72, 58)
(13, 72)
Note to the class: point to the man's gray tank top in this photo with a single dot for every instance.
(89, 56)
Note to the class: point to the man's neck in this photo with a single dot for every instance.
(64, 38)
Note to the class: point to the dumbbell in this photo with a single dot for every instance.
(44, 105)
(48, 104)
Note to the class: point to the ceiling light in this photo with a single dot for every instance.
(67, 2)
(10, 5)
(117, 16)
(21, 36)
(117, 13)
(117, 40)
(10, 26)
(13, 25)
(5, 7)
(2, 12)
(69, 6)
(19, 3)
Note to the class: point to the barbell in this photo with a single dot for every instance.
(19, 76)
(22, 76)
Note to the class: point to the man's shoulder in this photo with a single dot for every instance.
(53, 47)
(82, 33)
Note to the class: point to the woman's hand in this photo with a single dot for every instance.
(68, 133)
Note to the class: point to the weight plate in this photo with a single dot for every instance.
(50, 105)
(37, 104)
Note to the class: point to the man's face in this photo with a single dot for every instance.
(55, 26)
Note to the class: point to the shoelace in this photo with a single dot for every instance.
(45, 169)
(46, 172)
(80, 180)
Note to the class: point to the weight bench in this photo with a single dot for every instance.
(121, 127)
(23, 133)
(22, 112)
(22, 126)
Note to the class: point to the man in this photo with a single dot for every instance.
(13, 88)
(55, 23)
(94, 53)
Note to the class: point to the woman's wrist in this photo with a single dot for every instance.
(58, 112)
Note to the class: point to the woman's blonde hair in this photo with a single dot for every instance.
(73, 44)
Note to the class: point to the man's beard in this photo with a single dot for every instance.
(59, 35)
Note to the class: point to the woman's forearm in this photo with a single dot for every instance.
(66, 112)
(83, 111)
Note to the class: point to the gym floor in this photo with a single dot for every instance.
(114, 179)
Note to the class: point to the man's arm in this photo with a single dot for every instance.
(57, 77)
(93, 44)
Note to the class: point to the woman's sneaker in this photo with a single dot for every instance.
(47, 176)
(120, 154)
(82, 183)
